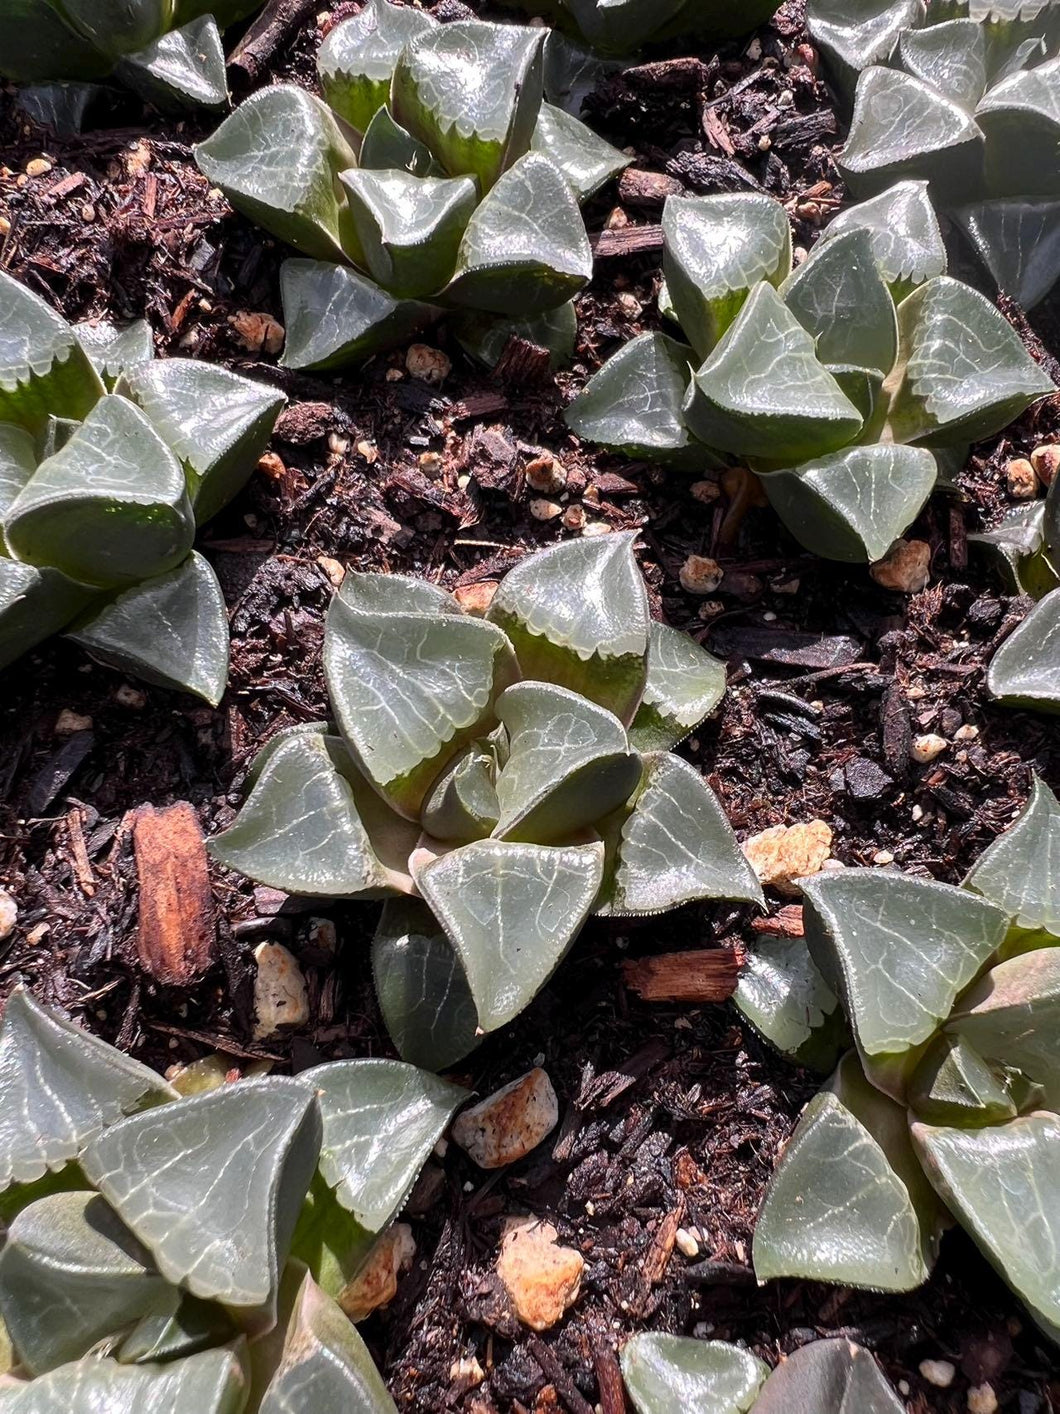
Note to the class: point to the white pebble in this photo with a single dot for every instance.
(982, 1399)
(927, 747)
(8, 914)
(686, 1243)
(939, 1373)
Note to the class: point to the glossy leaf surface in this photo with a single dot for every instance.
(1018, 240)
(785, 998)
(828, 1377)
(357, 58)
(113, 350)
(840, 298)
(906, 241)
(334, 316)
(1011, 1015)
(685, 683)
(1020, 871)
(421, 987)
(409, 228)
(44, 371)
(34, 604)
(184, 68)
(635, 403)
(669, 1374)
(587, 161)
(212, 1382)
(1025, 671)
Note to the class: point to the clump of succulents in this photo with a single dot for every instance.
(839, 382)
(621, 26)
(966, 96)
(167, 50)
(945, 1110)
(190, 1252)
(434, 177)
(500, 778)
(108, 463)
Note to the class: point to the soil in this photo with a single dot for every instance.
(671, 1115)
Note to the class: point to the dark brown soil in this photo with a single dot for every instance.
(670, 1116)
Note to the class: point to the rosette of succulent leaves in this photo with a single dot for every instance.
(966, 95)
(433, 178)
(109, 461)
(497, 779)
(190, 1249)
(945, 1109)
(842, 383)
(168, 51)
(623, 26)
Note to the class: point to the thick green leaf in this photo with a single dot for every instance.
(685, 683)
(840, 297)
(1020, 871)
(409, 687)
(1016, 548)
(185, 67)
(212, 1382)
(1003, 1184)
(577, 613)
(357, 59)
(409, 228)
(34, 604)
(715, 250)
(226, 1239)
(1019, 243)
(525, 249)
(670, 1374)
(173, 1334)
(1011, 1016)
(36, 44)
(110, 507)
(962, 371)
(119, 26)
(1025, 671)
(59, 1088)
(907, 244)
(44, 371)
(587, 161)
(471, 92)
(463, 805)
(762, 392)
(828, 1377)
(171, 630)
(620, 26)
(18, 462)
(250, 158)
(71, 1274)
(852, 34)
(954, 1085)
(113, 350)
(303, 828)
(951, 57)
(853, 504)
(388, 147)
(421, 987)
(1020, 118)
(215, 422)
(510, 911)
(785, 998)
(334, 316)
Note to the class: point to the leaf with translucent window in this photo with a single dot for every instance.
(113, 350)
(422, 990)
(670, 1374)
(335, 316)
(828, 1377)
(786, 1000)
(1020, 871)
(212, 1382)
(587, 161)
(685, 683)
(1025, 670)
(840, 297)
(409, 228)
(907, 243)
(44, 371)
(1018, 240)
(1011, 1014)
(185, 67)
(357, 58)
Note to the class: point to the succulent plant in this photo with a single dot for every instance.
(838, 382)
(621, 26)
(108, 462)
(433, 177)
(191, 1252)
(946, 1107)
(169, 51)
(501, 779)
(971, 104)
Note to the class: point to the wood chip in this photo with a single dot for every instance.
(709, 975)
(177, 935)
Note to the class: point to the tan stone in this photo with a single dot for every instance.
(1046, 462)
(1021, 479)
(258, 333)
(280, 996)
(542, 1278)
(8, 915)
(505, 1127)
(427, 364)
(476, 598)
(545, 473)
(925, 748)
(784, 853)
(376, 1283)
(271, 465)
(700, 575)
(68, 722)
(905, 567)
(334, 571)
(542, 509)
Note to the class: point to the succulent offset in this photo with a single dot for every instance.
(839, 382)
(433, 178)
(108, 462)
(167, 50)
(620, 26)
(191, 1252)
(500, 778)
(946, 1107)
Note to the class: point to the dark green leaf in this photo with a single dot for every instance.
(839, 297)
(463, 805)
(1018, 871)
(409, 228)
(36, 44)
(486, 336)
(1018, 241)
(1020, 118)
(335, 316)
(34, 604)
(388, 147)
(1025, 671)
(828, 1377)
(118, 26)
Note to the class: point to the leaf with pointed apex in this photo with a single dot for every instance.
(1016, 549)
(635, 403)
(902, 127)
(587, 161)
(621, 26)
(185, 67)
(211, 1382)
(334, 316)
(485, 336)
(828, 1377)
(44, 371)
(962, 371)
(112, 350)
(325, 1365)
(301, 829)
(60, 1087)
(670, 1374)
(1011, 1016)
(110, 507)
(36, 45)
(1003, 1184)
(71, 1274)
(786, 1000)
(852, 34)
(854, 504)
(685, 683)
(907, 244)
(762, 392)
(1019, 243)
(409, 228)
(174, 1334)
(116, 26)
(471, 91)
(1020, 118)
(171, 630)
(950, 57)
(410, 688)
(953, 1084)
(421, 987)
(525, 249)
(716, 249)
(216, 423)
(1025, 671)
(388, 147)
(572, 71)
(577, 613)
(249, 158)
(510, 911)
(675, 845)
(840, 298)
(845, 1203)
(1020, 871)
(227, 1239)
(463, 805)
(357, 59)
(34, 604)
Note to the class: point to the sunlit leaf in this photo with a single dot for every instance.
(357, 59)
(685, 683)
(587, 161)
(951, 57)
(852, 34)
(828, 1377)
(44, 371)
(906, 241)
(785, 998)
(1020, 117)
(670, 1374)
(421, 987)
(113, 350)
(463, 805)
(335, 316)
(1019, 871)
(1025, 671)
(34, 604)
(409, 228)
(953, 1084)
(212, 1382)
(387, 146)
(1019, 243)
(1016, 547)
(185, 67)
(840, 297)
(1011, 1016)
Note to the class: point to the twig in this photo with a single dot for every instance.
(608, 1378)
(558, 1377)
(253, 52)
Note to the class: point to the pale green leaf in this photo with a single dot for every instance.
(463, 805)
(212, 1382)
(334, 316)
(950, 57)
(670, 1374)
(906, 241)
(828, 1377)
(587, 161)
(852, 34)
(357, 59)
(1016, 547)
(685, 683)
(409, 228)
(421, 987)
(44, 371)
(1020, 871)
(840, 298)
(183, 68)
(786, 1000)
(1011, 1016)
(34, 604)
(1020, 118)
(953, 1084)
(1018, 241)
(1025, 671)
(113, 350)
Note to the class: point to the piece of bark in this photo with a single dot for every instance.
(639, 188)
(708, 975)
(682, 74)
(177, 938)
(626, 240)
(608, 1377)
(522, 362)
(787, 923)
(261, 41)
